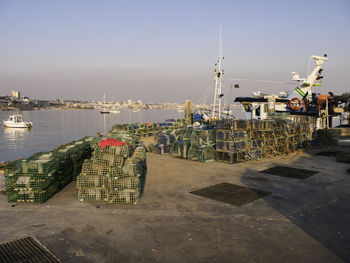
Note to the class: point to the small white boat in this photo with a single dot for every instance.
(136, 110)
(15, 121)
(226, 111)
(115, 111)
(180, 110)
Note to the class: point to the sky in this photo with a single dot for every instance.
(165, 51)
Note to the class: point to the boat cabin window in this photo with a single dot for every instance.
(11, 118)
(18, 118)
(257, 111)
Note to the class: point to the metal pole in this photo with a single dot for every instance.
(327, 123)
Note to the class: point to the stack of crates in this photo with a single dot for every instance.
(232, 144)
(143, 130)
(77, 151)
(40, 176)
(281, 136)
(163, 143)
(269, 138)
(255, 138)
(37, 178)
(202, 145)
(115, 174)
(241, 140)
(179, 148)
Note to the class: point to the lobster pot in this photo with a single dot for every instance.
(208, 154)
(255, 154)
(220, 135)
(229, 124)
(19, 181)
(132, 170)
(255, 125)
(280, 132)
(194, 153)
(238, 145)
(92, 195)
(164, 139)
(33, 196)
(238, 135)
(138, 157)
(281, 141)
(256, 144)
(183, 147)
(161, 148)
(126, 196)
(94, 181)
(122, 151)
(269, 125)
(268, 135)
(131, 183)
(220, 146)
(90, 168)
(255, 135)
(185, 134)
(231, 157)
(43, 167)
(179, 149)
(282, 149)
(202, 137)
(108, 159)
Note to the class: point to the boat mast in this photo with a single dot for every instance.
(104, 102)
(218, 83)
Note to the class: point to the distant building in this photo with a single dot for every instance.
(15, 94)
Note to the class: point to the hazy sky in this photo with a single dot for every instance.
(166, 50)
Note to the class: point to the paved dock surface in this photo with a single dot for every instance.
(300, 221)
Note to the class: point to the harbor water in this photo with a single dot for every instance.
(52, 128)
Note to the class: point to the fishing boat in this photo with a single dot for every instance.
(16, 121)
(115, 111)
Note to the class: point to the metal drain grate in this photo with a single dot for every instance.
(231, 194)
(25, 250)
(327, 153)
(290, 172)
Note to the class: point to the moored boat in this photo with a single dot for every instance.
(16, 121)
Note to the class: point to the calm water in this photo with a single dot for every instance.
(52, 128)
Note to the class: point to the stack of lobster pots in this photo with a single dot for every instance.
(232, 145)
(202, 144)
(114, 174)
(179, 148)
(245, 140)
(39, 177)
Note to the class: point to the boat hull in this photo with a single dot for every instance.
(18, 125)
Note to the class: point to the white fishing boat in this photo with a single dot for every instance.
(115, 111)
(16, 121)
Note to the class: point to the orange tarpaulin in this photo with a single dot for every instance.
(111, 142)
